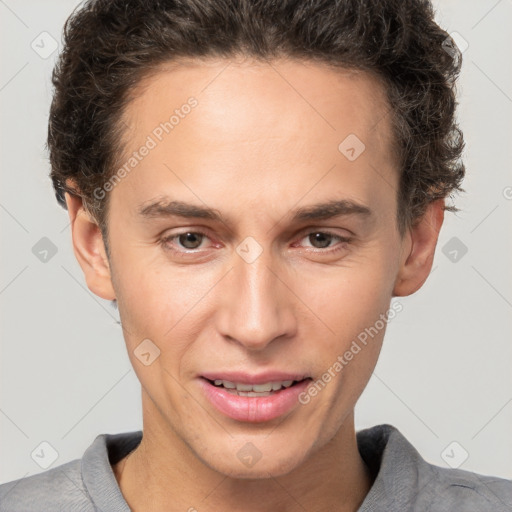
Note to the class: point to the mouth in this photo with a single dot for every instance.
(254, 402)
(254, 390)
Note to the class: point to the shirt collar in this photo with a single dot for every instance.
(398, 470)
(97, 472)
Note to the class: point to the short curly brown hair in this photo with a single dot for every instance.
(111, 45)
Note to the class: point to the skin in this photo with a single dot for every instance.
(262, 142)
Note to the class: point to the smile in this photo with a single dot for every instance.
(254, 403)
(253, 390)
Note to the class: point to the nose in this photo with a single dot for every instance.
(256, 306)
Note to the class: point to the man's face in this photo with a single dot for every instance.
(265, 293)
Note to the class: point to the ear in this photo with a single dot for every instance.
(89, 249)
(418, 250)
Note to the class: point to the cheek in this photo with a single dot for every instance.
(160, 302)
(347, 305)
(348, 298)
(163, 305)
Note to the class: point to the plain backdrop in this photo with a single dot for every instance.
(444, 376)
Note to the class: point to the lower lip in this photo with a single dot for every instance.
(253, 409)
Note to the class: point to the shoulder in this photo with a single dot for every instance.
(86, 485)
(59, 488)
(457, 489)
(406, 481)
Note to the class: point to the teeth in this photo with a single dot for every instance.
(260, 388)
(253, 389)
(225, 383)
(244, 387)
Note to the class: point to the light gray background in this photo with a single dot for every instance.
(445, 369)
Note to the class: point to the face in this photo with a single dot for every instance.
(252, 243)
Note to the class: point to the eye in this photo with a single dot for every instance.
(324, 239)
(319, 239)
(188, 240)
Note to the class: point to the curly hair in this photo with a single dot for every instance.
(110, 46)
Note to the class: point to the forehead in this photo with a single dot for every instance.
(249, 97)
(269, 128)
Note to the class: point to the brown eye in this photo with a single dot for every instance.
(320, 240)
(190, 240)
(325, 242)
(187, 244)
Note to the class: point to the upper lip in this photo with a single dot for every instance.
(259, 378)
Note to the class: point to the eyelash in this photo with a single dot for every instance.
(164, 242)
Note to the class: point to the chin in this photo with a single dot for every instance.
(262, 465)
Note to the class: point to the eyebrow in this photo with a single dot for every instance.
(166, 207)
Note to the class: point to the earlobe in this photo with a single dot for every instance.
(89, 249)
(419, 254)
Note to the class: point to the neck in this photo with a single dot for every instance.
(162, 473)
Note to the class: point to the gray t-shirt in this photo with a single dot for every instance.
(404, 481)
